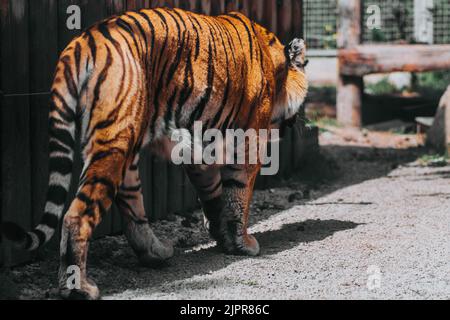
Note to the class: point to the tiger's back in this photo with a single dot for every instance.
(182, 67)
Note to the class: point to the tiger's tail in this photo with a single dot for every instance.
(62, 132)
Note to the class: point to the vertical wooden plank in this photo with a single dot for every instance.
(43, 58)
(115, 7)
(205, 7)
(286, 154)
(261, 180)
(349, 89)
(257, 10)
(297, 148)
(170, 3)
(284, 20)
(191, 5)
(349, 100)
(15, 133)
(157, 3)
(270, 15)
(190, 196)
(245, 6)
(231, 5)
(93, 12)
(423, 21)
(134, 5)
(217, 7)
(2, 102)
(175, 189)
(146, 175)
(64, 34)
(297, 18)
(160, 188)
(349, 23)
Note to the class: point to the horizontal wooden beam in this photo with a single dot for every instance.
(368, 59)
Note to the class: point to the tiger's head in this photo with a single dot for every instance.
(290, 78)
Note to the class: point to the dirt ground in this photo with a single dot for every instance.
(367, 220)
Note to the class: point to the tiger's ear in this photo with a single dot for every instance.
(296, 52)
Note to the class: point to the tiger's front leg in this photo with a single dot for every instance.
(225, 196)
(208, 184)
(238, 183)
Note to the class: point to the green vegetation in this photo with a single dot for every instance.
(434, 160)
(427, 84)
(324, 94)
(432, 83)
(330, 37)
(382, 87)
(324, 123)
(328, 122)
(377, 36)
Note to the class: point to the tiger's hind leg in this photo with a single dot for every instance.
(150, 251)
(98, 186)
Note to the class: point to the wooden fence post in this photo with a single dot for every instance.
(349, 89)
(270, 15)
(297, 18)
(15, 122)
(284, 23)
(423, 21)
(43, 20)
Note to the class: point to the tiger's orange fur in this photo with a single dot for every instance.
(131, 81)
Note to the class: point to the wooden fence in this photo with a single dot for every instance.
(33, 33)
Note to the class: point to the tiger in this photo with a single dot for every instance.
(128, 83)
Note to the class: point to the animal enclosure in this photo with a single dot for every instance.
(33, 33)
(357, 59)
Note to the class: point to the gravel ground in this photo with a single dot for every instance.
(368, 221)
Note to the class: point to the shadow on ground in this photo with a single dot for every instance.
(205, 261)
(115, 268)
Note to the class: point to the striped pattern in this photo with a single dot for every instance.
(134, 79)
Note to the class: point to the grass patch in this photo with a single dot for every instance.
(324, 123)
(434, 160)
(382, 87)
(324, 94)
(426, 84)
(432, 83)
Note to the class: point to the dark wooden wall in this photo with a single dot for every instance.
(33, 33)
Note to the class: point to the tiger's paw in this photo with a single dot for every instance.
(88, 291)
(157, 256)
(247, 245)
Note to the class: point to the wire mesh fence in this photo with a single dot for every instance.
(441, 19)
(397, 22)
(320, 21)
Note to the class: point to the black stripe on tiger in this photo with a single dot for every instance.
(56, 194)
(249, 34)
(68, 76)
(200, 108)
(61, 165)
(66, 112)
(187, 89)
(101, 79)
(50, 220)
(92, 46)
(77, 55)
